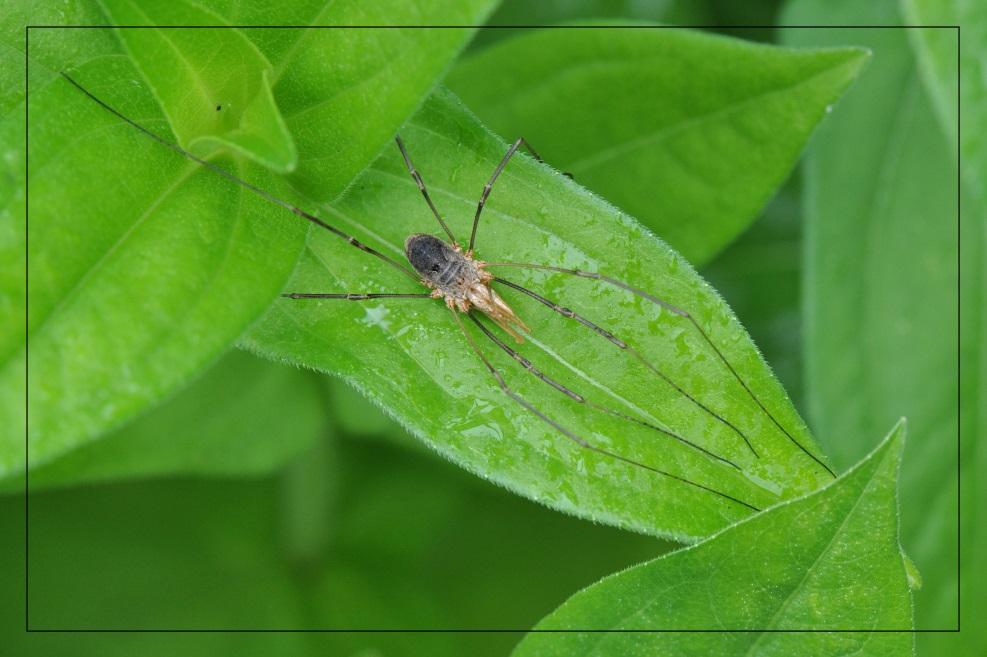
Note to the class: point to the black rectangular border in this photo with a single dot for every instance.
(959, 468)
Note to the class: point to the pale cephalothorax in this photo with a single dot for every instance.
(459, 279)
(465, 284)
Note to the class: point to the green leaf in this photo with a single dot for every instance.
(521, 13)
(338, 78)
(760, 274)
(213, 85)
(144, 267)
(410, 357)
(56, 49)
(388, 538)
(690, 133)
(882, 272)
(936, 54)
(830, 560)
(935, 49)
(355, 415)
(173, 262)
(261, 134)
(221, 424)
(13, 260)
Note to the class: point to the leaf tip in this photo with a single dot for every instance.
(894, 442)
(855, 58)
(912, 572)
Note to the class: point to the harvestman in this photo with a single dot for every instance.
(463, 282)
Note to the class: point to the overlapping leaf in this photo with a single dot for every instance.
(689, 133)
(213, 85)
(137, 289)
(881, 293)
(828, 561)
(220, 425)
(410, 357)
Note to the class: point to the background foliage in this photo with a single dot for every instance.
(216, 489)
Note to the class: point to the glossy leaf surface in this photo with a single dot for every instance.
(410, 357)
(136, 288)
(690, 133)
(830, 561)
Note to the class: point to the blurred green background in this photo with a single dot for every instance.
(349, 519)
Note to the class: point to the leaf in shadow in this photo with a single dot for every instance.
(220, 425)
(349, 535)
(410, 357)
(828, 561)
(880, 307)
(935, 52)
(935, 56)
(688, 132)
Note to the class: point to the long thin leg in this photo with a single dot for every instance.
(421, 187)
(673, 309)
(526, 364)
(573, 436)
(243, 183)
(354, 296)
(486, 188)
(566, 312)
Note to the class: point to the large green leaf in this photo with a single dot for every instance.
(222, 424)
(936, 54)
(338, 78)
(881, 297)
(690, 133)
(935, 50)
(828, 561)
(410, 357)
(136, 286)
(13, 260)
(144, 267)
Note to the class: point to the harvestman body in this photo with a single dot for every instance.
(463, 282)
(460, 280)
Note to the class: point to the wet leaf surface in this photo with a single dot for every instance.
(411, 358)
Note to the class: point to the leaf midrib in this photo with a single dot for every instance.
(805, 576)
(673, 129)
(296, 44)
(197, 80)
(758, 635)
(437, 190)
(579, 372)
